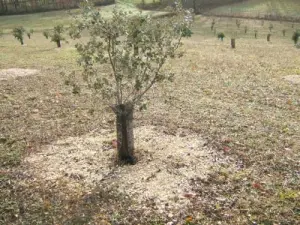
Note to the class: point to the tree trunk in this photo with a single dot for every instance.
(232, 43)
(58, 44)
(22, 42)
(269, 37)
(125, 141)
(194, 6)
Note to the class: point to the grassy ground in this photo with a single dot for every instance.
(47, 20)
(258, 8)
(237, 99)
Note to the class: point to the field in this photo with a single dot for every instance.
(219, 145)
(259, 9)
(46, 20)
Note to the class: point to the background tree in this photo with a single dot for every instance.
(238, 23)
(271, 27)
(221, 36)
(296, 36)
(213, 24)
(46, 34)
(57, 35)
(136, 48)
(283, 32)
(18, 33)
(269, 37)
(29, 33)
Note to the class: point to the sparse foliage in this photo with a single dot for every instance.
(57, 35)
(271, 27)
(221, 36)
(213, 24)
(18, 33)
(46, 34)
(296, 36)
(283, 32)
(135, 47)
(238, 23)
(29, 33)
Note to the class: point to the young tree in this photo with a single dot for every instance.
(213, 24)
(136, 47)
(233, 37)
(221, 36)
(269, 37)
(255, 34)
(18, 33)
(238, 23)
(271, 27)
(296, 36)
(283, 32)
(46, 34)
(29, 33)
(57, 35)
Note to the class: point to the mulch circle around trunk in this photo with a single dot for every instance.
(166, 164)
(16, 72)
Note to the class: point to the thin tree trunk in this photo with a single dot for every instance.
(125, 139)
(22, 42)
(194, 6)
(232, 43)
(58, 44)
(269, 37)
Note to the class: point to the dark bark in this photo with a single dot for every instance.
(269, 37)
(232, 43)
(22, 42)
(125, 139)
(58, 44)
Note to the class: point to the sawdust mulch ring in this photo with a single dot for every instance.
(166, 164)
(295, 79)
(16, 72)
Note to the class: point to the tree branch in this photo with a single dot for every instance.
(119, 100)
(138, 97)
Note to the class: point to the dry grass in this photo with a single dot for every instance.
(238, 100)
(288, 9)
